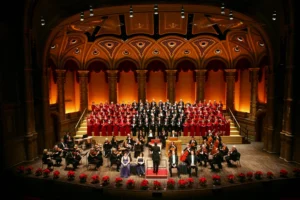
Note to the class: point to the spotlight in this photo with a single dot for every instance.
(43, 23)
(91, 11)
(230, 15)
(130, 12)
(274, 15)
(223, 9)
(82, 16)
(182, 12)
(155, 9)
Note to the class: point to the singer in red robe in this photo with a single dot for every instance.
(97, 128)
(122, 129)
(186, 128)
(103, 129)
(90, 127)
(128, 127)
(116, 128)
(109, 128)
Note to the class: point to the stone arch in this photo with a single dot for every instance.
(243, 58)
(68, 59)
(217, 58)
(156, 59)
(117, 65)
(191, 60)
(90, 62)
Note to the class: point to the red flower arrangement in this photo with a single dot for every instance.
(242, 177)
(21, 169)
(71, 175)
(105, 180)
(29, 169)
(39, 172)
(249, 175)
(82, 178)
(283, 173)
(171, 184)
(95, 179)
(46, 172)
(216, 179)
(156, 185)
(182, 183)
(118, 181)
(56, 174)
(144, 184)
(202, 181)
(270, 175)
(130, 184)
(190, 182)
(230, 178)
(296, 172)
(258, 174)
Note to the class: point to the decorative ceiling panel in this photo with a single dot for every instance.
(202, 24)
(140, 23)
(172, 22)
(111, 25)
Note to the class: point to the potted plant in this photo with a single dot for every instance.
(296, 172)
(258, 175)
(46, 172)
(71, 175)
(216, 179)
(182, 183)
(105, 180)
(190, 182)
(270, 175)
(29, 169)
(118, 182)
(283, 173)
(156, 185)
(39, 172)
(171, 184)
(230, 178)
(144, 184)
(130, 184)
(242, 177)
(56, 174)
(82, 177)
(249, 175)
(95, 179)
(20, 169)
(203, 181)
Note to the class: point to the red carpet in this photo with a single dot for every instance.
(162, 173)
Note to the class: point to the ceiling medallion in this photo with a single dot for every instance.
(53, 46)
(155, 52)
(237, 49)
(77, 51)
(218, 51)
(239, 38)
(109, 45)
(95, 52)
(260, 43)
(73, 41)
(171, 44)
(186, 52)
(203, 43)
(125, 52)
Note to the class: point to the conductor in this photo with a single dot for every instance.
(155, 157)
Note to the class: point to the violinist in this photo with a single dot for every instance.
(232, 155)
(114, 142)
(57, 155)
(77, 153)
(70, 159)
(46, 158)
(193, 143)
(137, 148)
(172, 147)
(107, 148)
(173, 163)
(115, 158)
(93, 158)
(217, 159)
(223, 150)
(202, 155)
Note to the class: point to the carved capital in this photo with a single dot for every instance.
(112, 73)
(83, 73)
(254, 69)
(200, 72)
(141, 72)
(60, 72)
(171, 72)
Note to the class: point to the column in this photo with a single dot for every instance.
(30, 138)
(171, 78)
(230, 80)
(112, 84)
(141, 78)
(200, 84)
(83, 82)
(254, 91)
(61, 79)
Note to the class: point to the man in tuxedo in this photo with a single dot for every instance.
(133, 128)
(155, 157)
(193, 143)
(232, 155)
(192, 163)
(173, 163)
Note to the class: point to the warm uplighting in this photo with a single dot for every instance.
(223, 9)
(182, 12)
(274, 15)
(230, 15)
(155, 9)
(130, 11)
(43, 23)
(91, 11)
(82, 16)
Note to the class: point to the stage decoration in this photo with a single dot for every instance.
(71, 175)
(296, 172)
(230, 178)
(190, 182)
(242, 177)
(46, 172)
(216, 179)
(270, 175)
(95, 179)
(258, 175)
(182, 183)
(203, 45)
(82, 178)
(249, 175)
(171, 184)
(203, 181)
(130, 184)
(29, 169)
(105, 180)
(20, 169)
(56, 174)
(39, 172)
(118, 182)
(144, 184)
(156, 185)
(283, 173)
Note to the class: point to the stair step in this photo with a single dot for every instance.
(82, 128)
(80, 132)
(83, 124)
(234, 132)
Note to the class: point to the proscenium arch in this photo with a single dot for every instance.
(86, 66)
(243, 57)
(65, 60)
(206, 62)
(156, 59)
(177, 62)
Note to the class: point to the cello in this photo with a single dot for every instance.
(184, 156)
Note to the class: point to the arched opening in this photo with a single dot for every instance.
(262, 80)
(98, 86)
(52, 82)
(185, 81)
(242, 86)
(127, 85)
(71, 87)
(259, 124)
(215, 86)
(156, 81)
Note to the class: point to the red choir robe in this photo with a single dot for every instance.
(97, 128)
(186, 129)
(227, 128)
(192, 129)
(209, 127)
(122, 129)
(198, 129)
(222, 128)
(103, 129)
(127, 128)
(109, 129)
(203, 129)
(116, 128)
(90, 127)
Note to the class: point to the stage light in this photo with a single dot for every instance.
(223, 9)
(155, 9)
(91, 11)
(274, 15)
(82, 16)
(182, 12)
(43, 23)
(230, 15)
(130, 12)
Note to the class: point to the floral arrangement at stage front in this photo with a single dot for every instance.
(230, 178)
(20, 169)
(202, 181)
(38, 172)
(56, 174)
(242, 177)
(105, 180)
(258, 175)
(71, 175)
(156, 185)
(190, 182)
(171, 184)
(130, 184)
(270, 175)
(216, 179)
(283, 173)
(46, 172)
(296, 172)
(29, 169)
(182, 183)
(249, 175)
(144, 184)
(118, 182)
(82, 177)
(95, 179)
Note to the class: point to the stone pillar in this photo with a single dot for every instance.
(61, 79)
(230, 80)
(83, 81)
(141, 78)
(171, 78)
(254, 91)
(112, 84)
(200, 84)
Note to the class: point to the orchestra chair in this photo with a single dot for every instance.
(237, 162)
